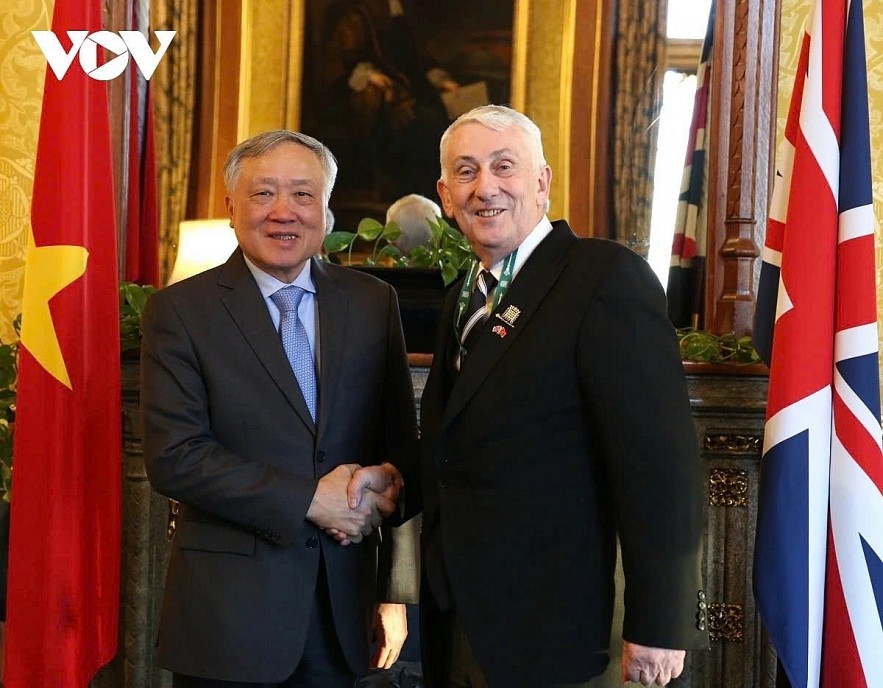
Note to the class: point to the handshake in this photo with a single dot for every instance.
(351, 501)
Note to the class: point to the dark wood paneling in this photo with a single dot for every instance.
(741, 157)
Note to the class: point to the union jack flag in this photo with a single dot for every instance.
(818, 572)
(686, 273)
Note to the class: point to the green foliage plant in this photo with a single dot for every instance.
(702, 346)
(133, 298)
(447, 249)
(8, 380)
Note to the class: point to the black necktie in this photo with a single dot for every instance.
(476, 312)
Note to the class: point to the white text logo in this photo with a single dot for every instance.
(122, 45)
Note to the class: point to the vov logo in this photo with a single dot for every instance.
(86, 44)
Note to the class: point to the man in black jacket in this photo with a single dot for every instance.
(555, 418)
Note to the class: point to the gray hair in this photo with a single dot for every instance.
(412, 214)
(260, 144)
(498, 118)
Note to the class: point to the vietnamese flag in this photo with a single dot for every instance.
(64, 550)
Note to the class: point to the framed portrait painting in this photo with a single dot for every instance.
(382, 79)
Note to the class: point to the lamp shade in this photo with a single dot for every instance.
(202, 244)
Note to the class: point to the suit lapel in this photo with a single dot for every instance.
(332, 337)
(249, 311)
(510, 318)
(440, 380)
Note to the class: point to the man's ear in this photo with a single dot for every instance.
(445, 196)
(228, 203)
(544, 185)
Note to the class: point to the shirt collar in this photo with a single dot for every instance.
(270, 285)
(527, 246)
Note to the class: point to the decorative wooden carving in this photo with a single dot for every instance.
(732, 443)
(727, 487)
(726, 621)
(740, 164)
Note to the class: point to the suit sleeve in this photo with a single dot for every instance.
(398, 557)
(182, 456)
(400, 414)
(637, 404)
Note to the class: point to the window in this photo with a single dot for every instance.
(685, 31)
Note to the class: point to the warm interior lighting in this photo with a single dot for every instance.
(202, 244)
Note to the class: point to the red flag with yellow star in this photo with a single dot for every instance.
(64, 549)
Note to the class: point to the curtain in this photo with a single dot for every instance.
(639, 55)
(174, 110)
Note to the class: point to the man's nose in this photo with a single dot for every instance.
(486, 185)
(282, 209)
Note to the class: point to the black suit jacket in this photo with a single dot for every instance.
(569, 423)
(227, 434)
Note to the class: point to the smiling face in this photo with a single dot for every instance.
(277, 209)
(494, 187)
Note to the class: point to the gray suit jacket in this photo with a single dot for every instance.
(227, 434)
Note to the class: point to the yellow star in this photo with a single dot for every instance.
(48, 270)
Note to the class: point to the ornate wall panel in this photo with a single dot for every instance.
(22, 68)
(266, 28)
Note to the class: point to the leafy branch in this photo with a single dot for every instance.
(699, 345)
(447, 249)
(133, 298)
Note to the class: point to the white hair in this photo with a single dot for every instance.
(412, 214)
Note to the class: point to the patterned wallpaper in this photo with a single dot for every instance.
(794, 16)
(22, 67)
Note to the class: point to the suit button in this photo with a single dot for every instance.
(312, 543)
(320, 456)
(442, 483)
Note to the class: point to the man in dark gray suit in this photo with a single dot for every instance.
(257, 414)
(555, 418)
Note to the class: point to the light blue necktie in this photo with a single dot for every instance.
(296, 343)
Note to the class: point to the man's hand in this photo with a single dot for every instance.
(384, 479)
(390, 631)
(331, 510)
(373, 487)
(649, 665)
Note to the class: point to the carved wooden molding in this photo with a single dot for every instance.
(726, 621)
(728, 487)
(722, 443)
(740, 135)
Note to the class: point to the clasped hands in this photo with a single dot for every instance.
(351, 501)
